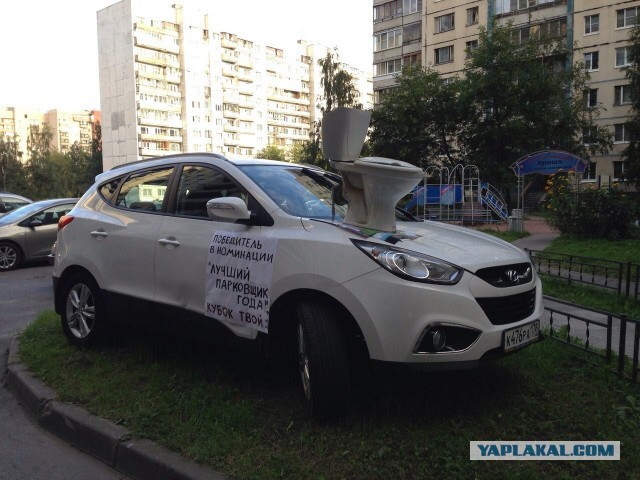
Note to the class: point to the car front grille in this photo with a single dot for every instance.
(507, 275)
(509, 309)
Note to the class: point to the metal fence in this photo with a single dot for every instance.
(597, 332)
(621, 277)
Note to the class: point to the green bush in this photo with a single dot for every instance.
(602, 213)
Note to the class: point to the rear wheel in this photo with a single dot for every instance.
(83, 313)
(10, 256)
(323, 360)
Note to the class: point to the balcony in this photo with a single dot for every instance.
(246, 103)
(228, 127)
(155, 137)
(244, 76)
(229, 72)
(228, 43)
(245, 61)
(229, 57)
(246, 88)
(234, 142)
(155, 44)
(163, 107)
(230, 114)
(159, 122)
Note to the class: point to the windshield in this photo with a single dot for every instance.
(299, 191)
(20, 213)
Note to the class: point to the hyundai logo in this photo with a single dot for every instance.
(514, 277)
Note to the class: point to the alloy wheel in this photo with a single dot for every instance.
(80, 310)
(8, 257)
(303, 363)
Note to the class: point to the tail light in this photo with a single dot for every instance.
(64, 221)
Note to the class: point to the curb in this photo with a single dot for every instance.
(110, 443)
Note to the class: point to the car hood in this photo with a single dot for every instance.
(465, 247)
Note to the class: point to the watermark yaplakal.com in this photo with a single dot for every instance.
(544, 450)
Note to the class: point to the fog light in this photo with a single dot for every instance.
(438, 339)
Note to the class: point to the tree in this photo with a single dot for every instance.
(337, 84)
(419, 120)
(272, 152)
(41, 172)
(11, 168)
(338, 91)
(524, 97)
(631, 153)
(513, 99)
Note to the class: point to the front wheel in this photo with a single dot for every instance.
(323, 360)
(84, 319)
(10, 256)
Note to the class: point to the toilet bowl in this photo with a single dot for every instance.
(373, 186)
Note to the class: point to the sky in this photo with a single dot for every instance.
(49, 53)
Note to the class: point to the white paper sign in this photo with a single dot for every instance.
(238, 279)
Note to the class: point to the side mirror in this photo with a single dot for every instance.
(227, 209)
(34, 223)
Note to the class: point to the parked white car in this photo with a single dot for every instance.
(256, 254)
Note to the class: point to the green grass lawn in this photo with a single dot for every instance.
(507, 236)
(616, 250)
(245, 417)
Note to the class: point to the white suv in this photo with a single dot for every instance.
(256, 254)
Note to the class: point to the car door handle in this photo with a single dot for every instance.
(169, 241)
(99, 233)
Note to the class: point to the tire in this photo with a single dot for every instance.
(10, 256)
(323, 361)
(84, 318)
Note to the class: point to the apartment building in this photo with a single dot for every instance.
(596, 31)
(170, 82)
(66, 128)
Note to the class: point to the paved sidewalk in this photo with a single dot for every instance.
(541, 234)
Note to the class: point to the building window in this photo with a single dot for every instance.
(590, 172)
(412, 33)
(619, 167)
(389, 39)
(591, 60)
(589, 135)
(591, 24)
(622, 57)
(621, 134)
(412, 6)
(622, 95)
(443, 55)
(472, 16)
(412, 59)
(388, 67)
(387, 10)
(379, 95)
(626, 17)
(470, 47)
(591, 98)
(522, 34)
(445, 23)
(506, 6)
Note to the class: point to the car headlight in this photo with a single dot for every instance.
(411, 265)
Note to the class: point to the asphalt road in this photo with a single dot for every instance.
(27, 452)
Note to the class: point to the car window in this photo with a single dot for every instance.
(144, 191)
(20, 213)
(298, 191)
(199, 184)
(50, 216)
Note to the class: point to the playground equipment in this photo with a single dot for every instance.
(456, 195)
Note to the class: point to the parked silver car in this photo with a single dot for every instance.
(28, 232)
(11, 201)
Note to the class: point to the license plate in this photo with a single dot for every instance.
(520, 336)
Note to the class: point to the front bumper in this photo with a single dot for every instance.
(393, 315)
